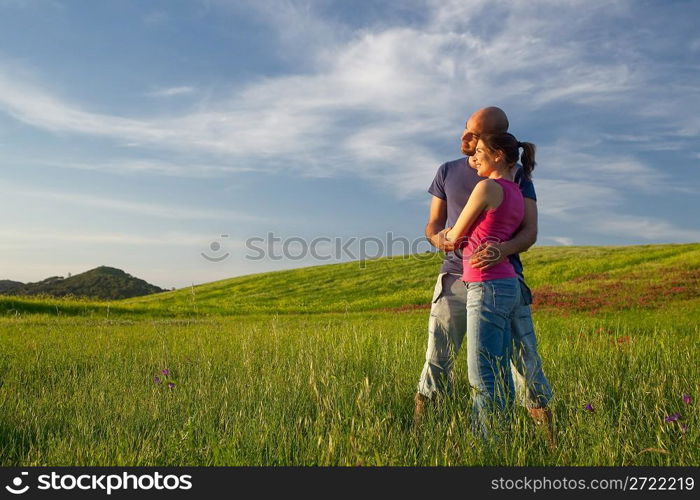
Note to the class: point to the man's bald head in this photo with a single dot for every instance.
(491, 120)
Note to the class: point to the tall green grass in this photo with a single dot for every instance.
(327, 390)
(335, 388)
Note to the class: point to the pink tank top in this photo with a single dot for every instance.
(496, 225)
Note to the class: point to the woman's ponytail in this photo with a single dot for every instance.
(527, 159)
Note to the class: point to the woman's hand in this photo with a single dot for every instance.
(440, 241)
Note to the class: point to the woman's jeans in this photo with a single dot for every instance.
(446, 330)
(491, 305)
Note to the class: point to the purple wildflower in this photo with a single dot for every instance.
(171, 385)
(588, 407)
(687, 399)
(156, 380)
(165, 372)
(673, 417)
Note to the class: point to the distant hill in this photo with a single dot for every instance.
(7, 286)
(106, 283)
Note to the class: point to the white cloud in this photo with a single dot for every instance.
(156, 18)
(617, 170)
(563, 199)
(560, 240)
(24, 4)
(29, 103)
(172, 91)
(645, 228)
(403, 85)
(589, 192)
(48, 236)
(144, 209)
(146, 166)
(370, 102)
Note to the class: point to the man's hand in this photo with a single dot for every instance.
(488, 254)
(439, 240)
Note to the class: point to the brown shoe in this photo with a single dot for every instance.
(543, 418)
(419, 411)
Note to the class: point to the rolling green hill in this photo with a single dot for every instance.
(579, 278)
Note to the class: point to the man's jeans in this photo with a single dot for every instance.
(446, 329)
(532, 387)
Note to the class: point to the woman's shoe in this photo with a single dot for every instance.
(543, 418)
(419, 411)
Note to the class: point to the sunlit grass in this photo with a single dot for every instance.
(385, 283)
(268, 376)
(327, 389)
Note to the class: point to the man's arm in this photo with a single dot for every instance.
(521, 241)
(435, 229)
(527, 233)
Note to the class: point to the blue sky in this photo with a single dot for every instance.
(135, 134)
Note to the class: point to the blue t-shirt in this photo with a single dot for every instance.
(453, 183)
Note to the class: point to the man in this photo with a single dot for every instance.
(448, 314)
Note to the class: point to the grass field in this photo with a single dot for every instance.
(318, 366)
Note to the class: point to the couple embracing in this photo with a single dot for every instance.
(483, 213)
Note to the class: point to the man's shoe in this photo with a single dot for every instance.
(543, 418)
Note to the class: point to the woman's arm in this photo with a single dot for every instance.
(477, 203)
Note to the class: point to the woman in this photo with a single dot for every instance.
(493, 212)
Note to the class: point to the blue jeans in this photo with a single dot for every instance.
(446, 330)
(532, 387)
(491, 307)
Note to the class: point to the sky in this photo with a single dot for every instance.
(190, 141)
